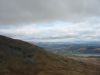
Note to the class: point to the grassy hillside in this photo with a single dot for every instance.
(21, 58)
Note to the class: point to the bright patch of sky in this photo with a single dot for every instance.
(87, 30)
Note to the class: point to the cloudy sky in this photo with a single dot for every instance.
(50, 20)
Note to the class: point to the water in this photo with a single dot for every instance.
(87, 55)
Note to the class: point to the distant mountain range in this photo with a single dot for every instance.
(21, 58)
(64, 48)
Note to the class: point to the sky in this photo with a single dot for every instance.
(50, 20)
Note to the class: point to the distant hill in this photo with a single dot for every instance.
(89, 48)
(21, 58)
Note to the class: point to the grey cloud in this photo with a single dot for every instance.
(13, 11)
(59, 37)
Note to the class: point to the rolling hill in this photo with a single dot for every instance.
(64, 48)
(21, 58)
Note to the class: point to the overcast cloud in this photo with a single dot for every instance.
(50, 19)
(55, 31)
(14, 11)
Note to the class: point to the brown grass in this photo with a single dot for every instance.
(21, 58)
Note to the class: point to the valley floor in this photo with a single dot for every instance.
(92, 60)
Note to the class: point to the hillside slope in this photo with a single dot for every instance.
(21, 58)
